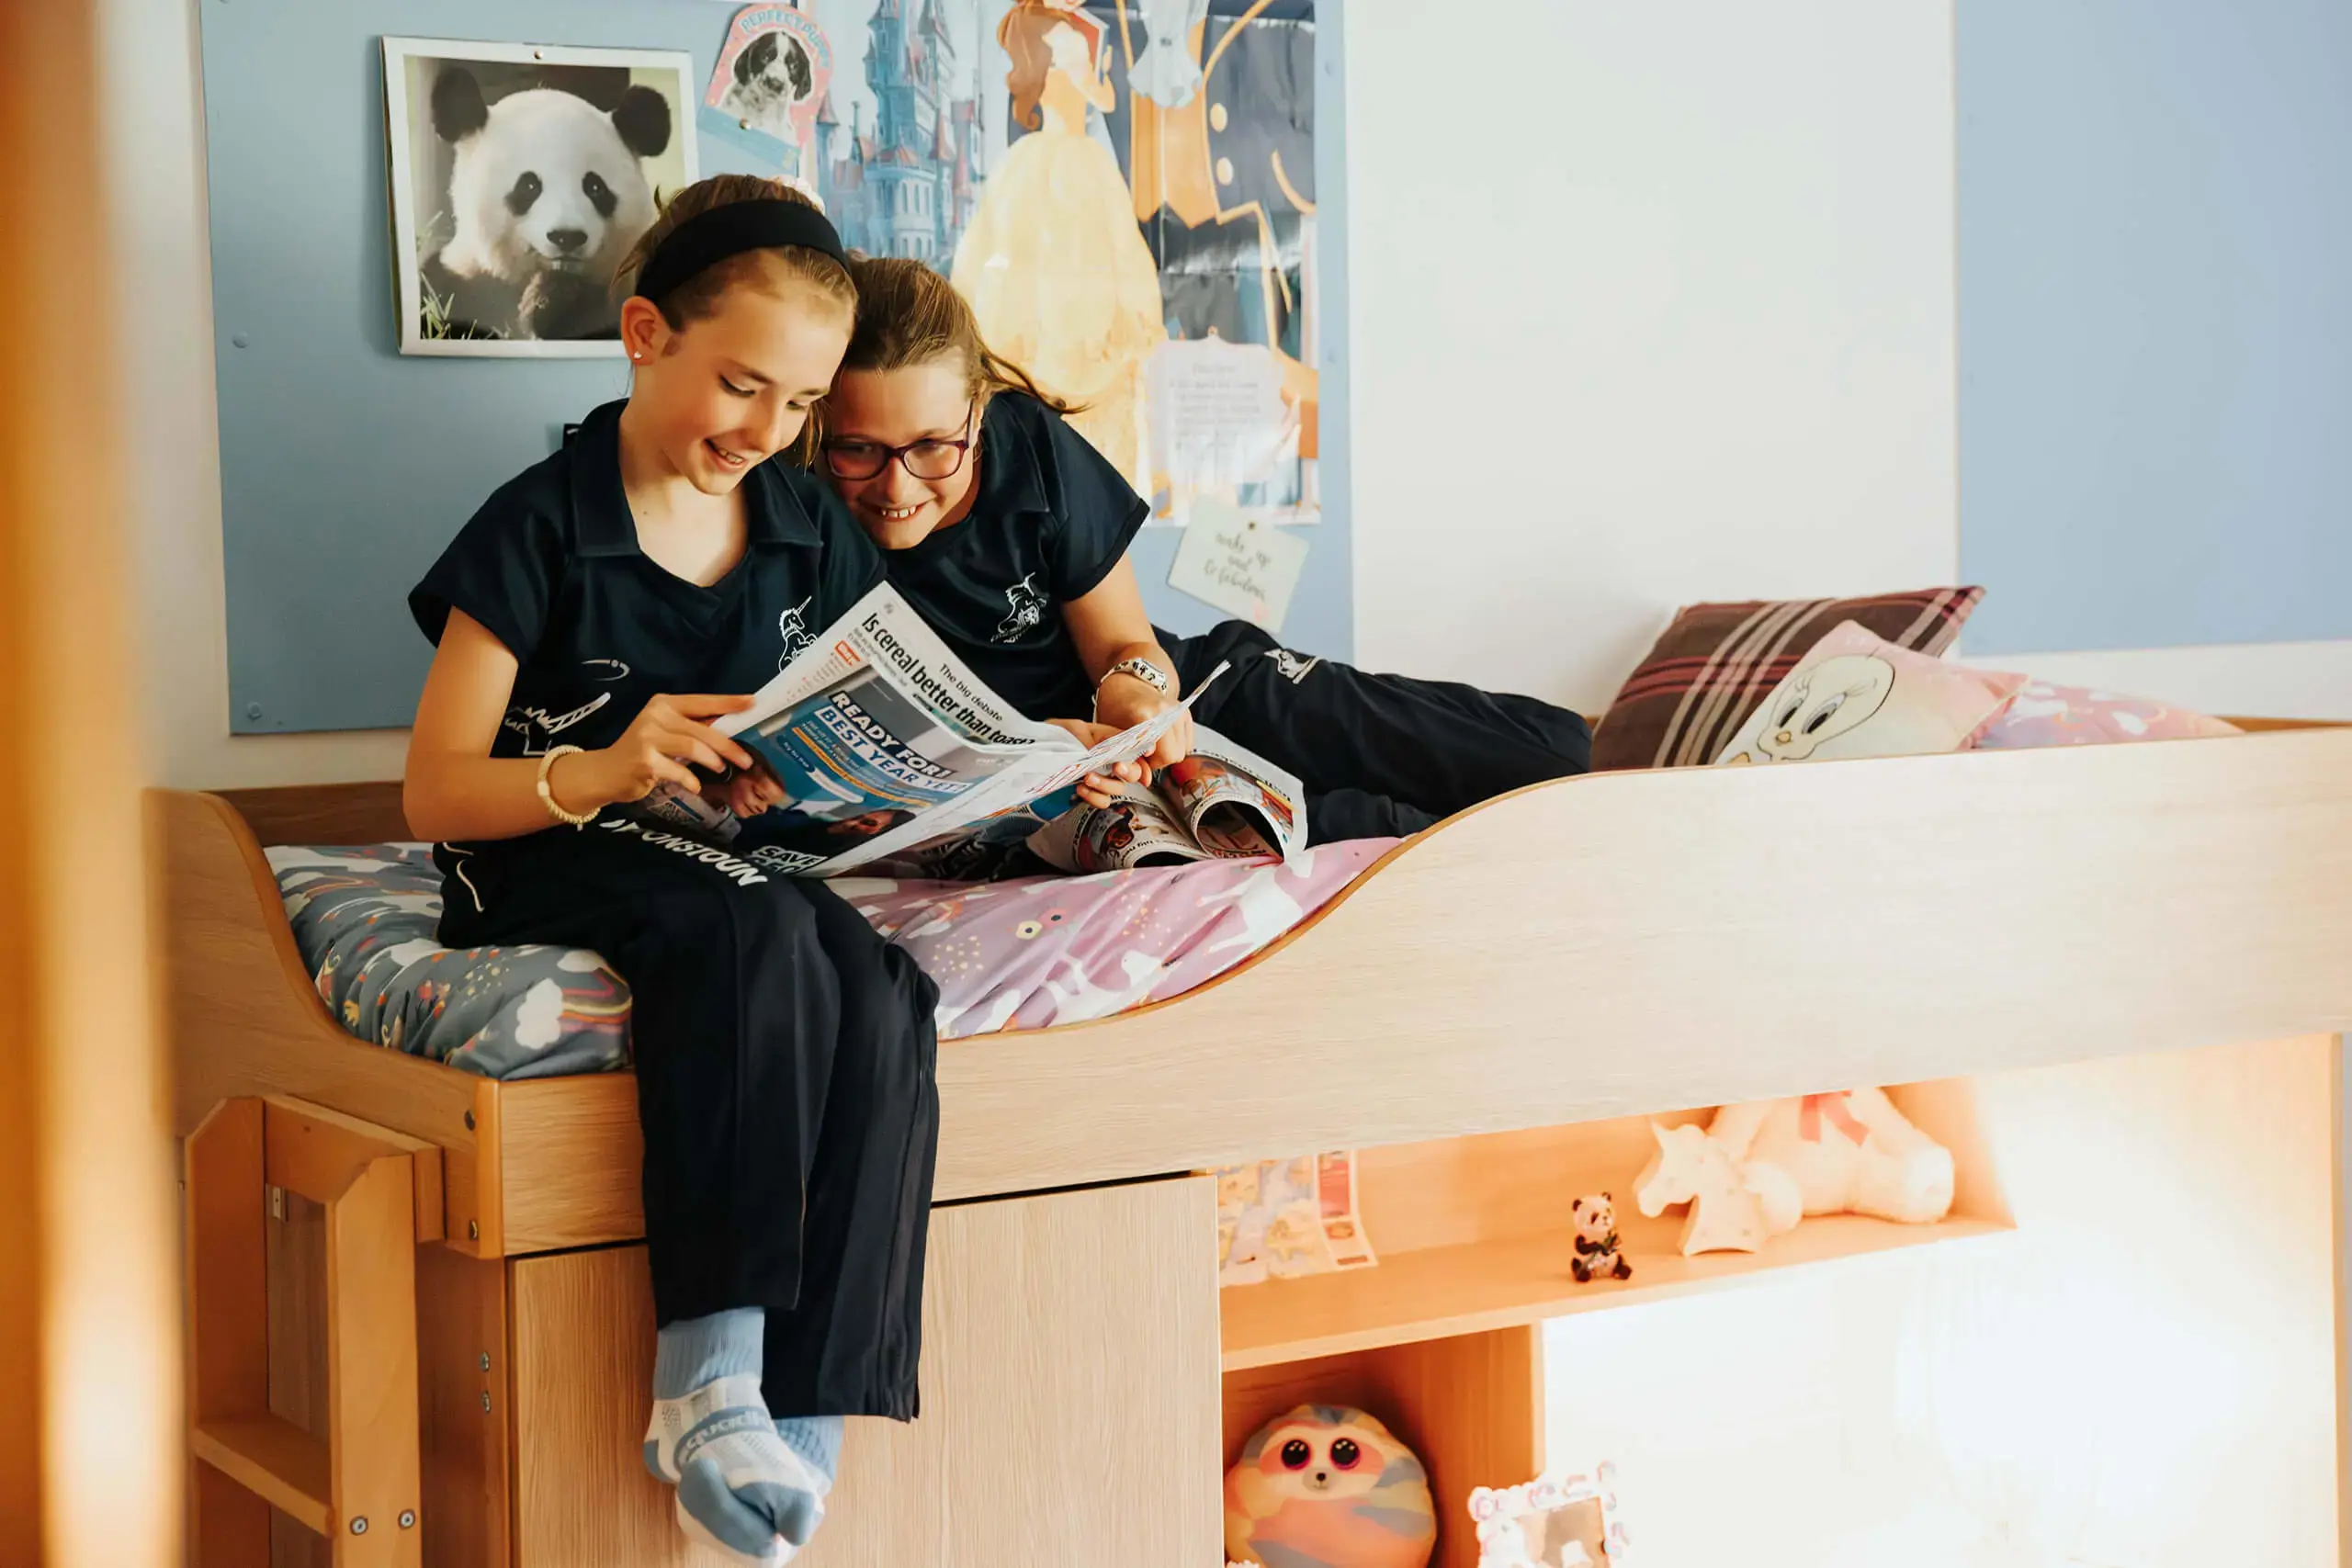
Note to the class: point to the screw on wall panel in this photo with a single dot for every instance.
(470, 1120)
(241, 340)
(485, 1360)
(359, 1525)
(408, 1518)
(473, 1230)
(252, 710)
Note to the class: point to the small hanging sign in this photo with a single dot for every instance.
(1240, 565)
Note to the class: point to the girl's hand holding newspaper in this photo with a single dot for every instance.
(1101, 789)
(669, 738)
(1125, 702)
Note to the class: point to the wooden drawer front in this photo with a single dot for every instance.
(1070, 1399)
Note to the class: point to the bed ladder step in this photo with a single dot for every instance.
(275, 1460)
(360, 1485)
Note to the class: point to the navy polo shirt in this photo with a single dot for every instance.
(1050, 520)
(550, 566)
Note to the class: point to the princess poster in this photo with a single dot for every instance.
(1124, 189)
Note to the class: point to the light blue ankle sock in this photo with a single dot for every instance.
(745, 1488)
(817, 1438)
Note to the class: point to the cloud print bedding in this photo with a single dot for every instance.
(1022, 954)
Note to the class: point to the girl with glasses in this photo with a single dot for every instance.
(1008, 532)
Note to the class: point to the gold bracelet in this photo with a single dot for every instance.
(547, 795)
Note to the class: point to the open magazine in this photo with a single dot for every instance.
(1222, 801)
(886, 745)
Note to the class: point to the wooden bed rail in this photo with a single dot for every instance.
(1621, 944)
(360, 1485)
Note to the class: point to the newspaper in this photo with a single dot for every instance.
(1284, 1218)
(882, 742)
(1223, 801)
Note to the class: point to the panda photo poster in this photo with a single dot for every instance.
(521, 175)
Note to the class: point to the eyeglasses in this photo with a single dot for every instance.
(930, 458)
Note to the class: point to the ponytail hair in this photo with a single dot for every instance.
(908, 314)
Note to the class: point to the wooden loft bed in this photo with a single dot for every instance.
(1511, 992)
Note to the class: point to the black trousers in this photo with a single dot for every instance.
(1380, 755)
(784, 1057)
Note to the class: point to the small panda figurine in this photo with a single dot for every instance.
(548, 194)
(1597, 1256)
(1324, 1486)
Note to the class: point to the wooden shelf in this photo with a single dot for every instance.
(1478, 1286)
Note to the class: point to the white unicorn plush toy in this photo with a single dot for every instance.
(1733, 1208)
(1846, 1153)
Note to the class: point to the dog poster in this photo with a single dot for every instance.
(773, 75)
(522, 177)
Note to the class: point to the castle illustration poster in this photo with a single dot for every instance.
(1124, 190)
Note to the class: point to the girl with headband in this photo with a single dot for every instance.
(1008, 532)
(600, 609)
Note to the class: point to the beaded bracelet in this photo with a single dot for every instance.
(546, 795)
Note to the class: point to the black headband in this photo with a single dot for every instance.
(704, 241)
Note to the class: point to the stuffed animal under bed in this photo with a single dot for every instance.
(1324, 1486)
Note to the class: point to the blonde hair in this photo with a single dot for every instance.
(908, 314)
(698, 297)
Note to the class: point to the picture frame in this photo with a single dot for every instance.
(1558, 1521)
(521, 175)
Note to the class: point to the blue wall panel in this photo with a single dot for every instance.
(345, 467)
(2155, 321)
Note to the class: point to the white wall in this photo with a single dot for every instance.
(1661, 309)
(2268, 680)
(2067, 1396)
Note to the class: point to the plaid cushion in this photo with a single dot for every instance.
(1716, 662)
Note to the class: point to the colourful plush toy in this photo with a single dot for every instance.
(1324, 1486)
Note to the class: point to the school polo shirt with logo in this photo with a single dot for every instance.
(550, 566)
(1050, 520)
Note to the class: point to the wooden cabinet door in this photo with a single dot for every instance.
(1070, 1400)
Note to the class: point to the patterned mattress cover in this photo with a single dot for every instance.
(1019, 954)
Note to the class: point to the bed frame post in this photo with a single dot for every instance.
(359, 1486)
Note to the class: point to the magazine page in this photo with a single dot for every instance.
(862, 756)
(1041, 787)
(1137, 828)
(980, 835)
(1234, 802)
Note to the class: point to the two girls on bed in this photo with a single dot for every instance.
(604, 606)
